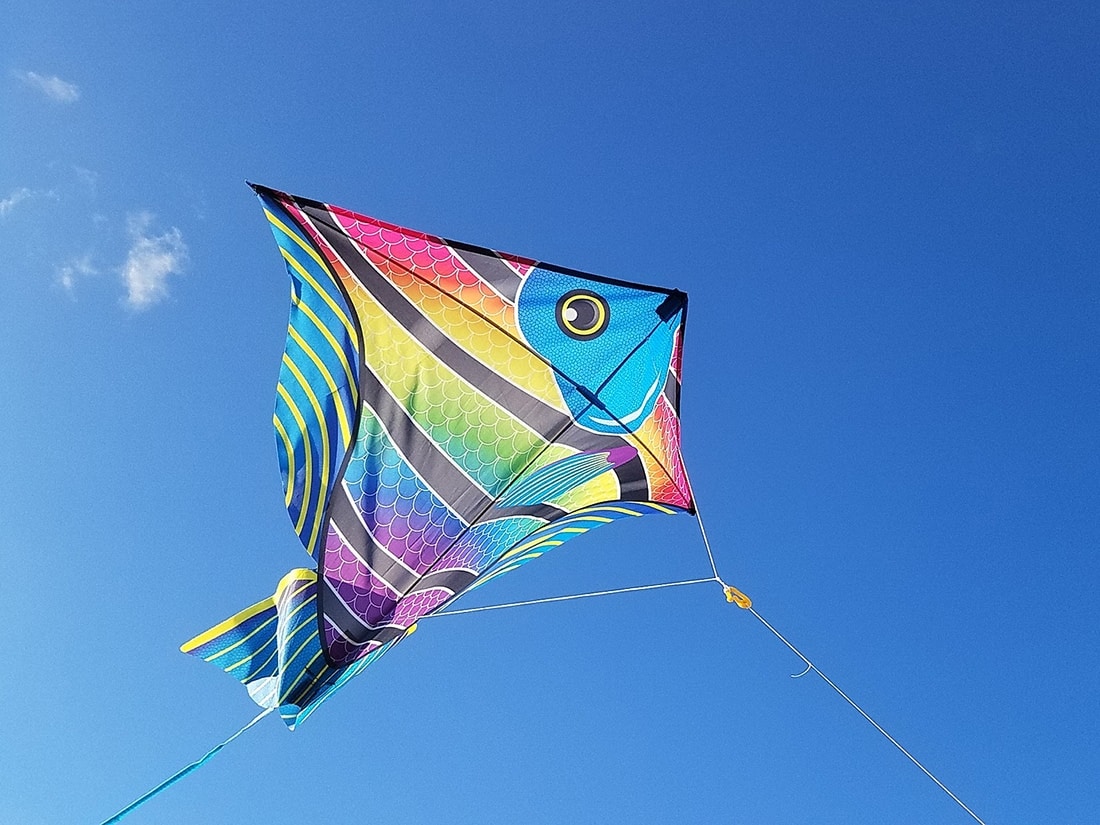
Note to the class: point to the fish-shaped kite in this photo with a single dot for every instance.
(444, 414)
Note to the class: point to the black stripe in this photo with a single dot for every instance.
(633, 484)
(454, 580)
(452, 485)
(344, 515)
(672, 391)
(449, 482)
(532, 411)
(491, 269)
(352, 626)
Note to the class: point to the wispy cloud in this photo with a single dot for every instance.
(22, 194)
(13, 200)
(53, 87)
(150, 262)
(75, 269)
(86, 177)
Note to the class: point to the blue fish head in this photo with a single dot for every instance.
(610, 343)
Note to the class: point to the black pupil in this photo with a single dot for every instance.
(587, 313)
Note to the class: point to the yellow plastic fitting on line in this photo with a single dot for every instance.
(737, 597)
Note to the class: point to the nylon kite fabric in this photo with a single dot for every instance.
(444, 414)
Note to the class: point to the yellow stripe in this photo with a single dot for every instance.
(324, 444)
(301, 647)
(225, 650)
(309, 313)
(252, 655)
(218, 629)
(500, 572)
(345, 430)
(324, 672)
(543, 541)
(305, 276)
(622, 510)
(298, 574)
(274, 653)
(520, 548)
(304, 670)
(293, 577)
(309, 250)
(292, 615)
(290, 457)
(309, 454)
(294, 236)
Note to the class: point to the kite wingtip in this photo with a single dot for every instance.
(260, 189)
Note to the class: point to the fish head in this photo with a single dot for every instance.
(610, 343)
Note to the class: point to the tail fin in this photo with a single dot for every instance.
(274, 649)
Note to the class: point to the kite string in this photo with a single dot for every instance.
(811, 666)
(568, 598)
(180, 774)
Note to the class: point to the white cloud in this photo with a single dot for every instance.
(21, 194)
(150, 261)
(13, 200)
(53, 87)
(87, 177)
(68, 274)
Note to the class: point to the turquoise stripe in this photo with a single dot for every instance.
(555, 479)
(296, 485)
(582, 520)
(321, 382)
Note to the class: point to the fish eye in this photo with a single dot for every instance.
(582, 315)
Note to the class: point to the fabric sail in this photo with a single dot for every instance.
(444, 414)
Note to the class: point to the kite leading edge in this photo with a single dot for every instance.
(444, 414)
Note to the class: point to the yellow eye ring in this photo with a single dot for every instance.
(582, 315)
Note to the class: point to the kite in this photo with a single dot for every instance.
(444, 414)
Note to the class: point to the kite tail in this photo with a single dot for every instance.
(180, 774)
(272, 647)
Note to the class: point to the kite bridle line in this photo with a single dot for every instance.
(736, 596)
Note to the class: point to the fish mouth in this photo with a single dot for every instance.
(631, 417)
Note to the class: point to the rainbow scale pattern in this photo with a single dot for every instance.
(441, 421)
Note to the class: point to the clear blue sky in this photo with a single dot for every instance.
(886, 218)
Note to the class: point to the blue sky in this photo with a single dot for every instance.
(886, 220)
